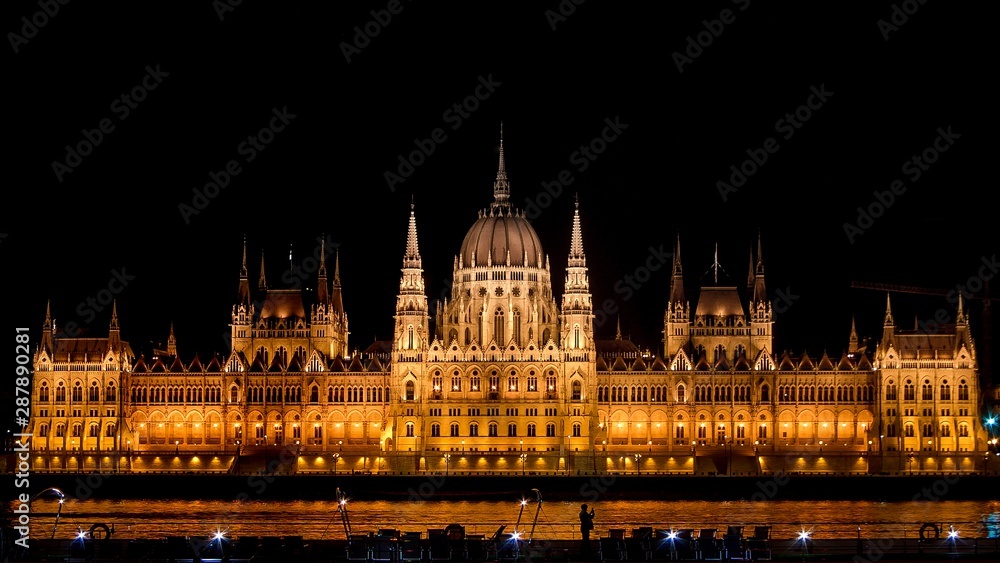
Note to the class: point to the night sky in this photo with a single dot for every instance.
(838, 103)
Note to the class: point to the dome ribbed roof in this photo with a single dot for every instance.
(496, 233)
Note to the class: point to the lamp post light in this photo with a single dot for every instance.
(336, 461)
(524, 457)
(447, 463)
(463, 448)
(909, 462)
(638, 469)
(650, 444)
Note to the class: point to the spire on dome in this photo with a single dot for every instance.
(501, 187)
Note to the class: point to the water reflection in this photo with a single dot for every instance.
(319, 519)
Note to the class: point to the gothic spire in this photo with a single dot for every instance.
(114, 315)
(618, 330)
(243, 293)
(322, 294)
(576, 256)
(961, 312)
(501, 187)
(759, 289)
(337, 299)
(677, 282)
(262, 281)
(888, 311)
(412, 257)
(171, 342)
(48, 316)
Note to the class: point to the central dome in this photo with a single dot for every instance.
(498, 232)
(502, 230)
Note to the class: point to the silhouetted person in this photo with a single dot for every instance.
(586, 525)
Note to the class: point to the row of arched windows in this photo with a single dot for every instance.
(493, 430)
(176, 394)
(93, 394)
(76, 430)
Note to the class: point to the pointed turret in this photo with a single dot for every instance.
(171, 342)
(618, 329)
(412, 316)
(759, 289)
(337, 299)
(243, 293)
(960, 318)
(501, 187)
(577, 308)
(48, 329)
(262, 281)
(852, 340)
(750, 271)
(114, 336)
(411, 258)
(888, 326)
(322, 289)
(677, 281)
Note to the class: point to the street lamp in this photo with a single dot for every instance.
(447, 463)
(524, 458)
(336, 461)
(650, 444)
(909, 461)
(463, 448)
(638, 469)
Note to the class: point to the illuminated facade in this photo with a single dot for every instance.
(507, 376)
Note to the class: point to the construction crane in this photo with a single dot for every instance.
(986, 351)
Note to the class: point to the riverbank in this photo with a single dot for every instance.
(780, 486)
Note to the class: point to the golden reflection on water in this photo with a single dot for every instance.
(319, 519)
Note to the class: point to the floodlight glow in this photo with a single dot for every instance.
(218, 535)
(515, 536)
(524, 502)
(81, 535)
(672, 535)
(804, 535)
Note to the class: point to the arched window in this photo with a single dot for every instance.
(43, 392)
(94, 393)
(515, 317)
(908, 430)
(473, 429)
(435, 429)
(494, 429)
(945, 391)
(43, 430)
(577, 391)
(765, 393)
(963, 430)
(681, 393)
(531, 429)
(410, 339)
(409, 429)
(77, 392)
(468, 336)
(453, 336)
(454, 429)
(410, 391)
(512, 429)
(498, 326)
(456, 381)
(314, 394)
(234, 395)
(550, 429)
(577, 339)
(576, 430)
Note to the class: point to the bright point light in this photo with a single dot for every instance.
(952, 534)
(218, 535)
(81, 535)
(803, 535)
(524, 502)
(515, 536)
(343, 501)
(991, 420)
(672, 535)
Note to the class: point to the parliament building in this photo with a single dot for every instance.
(506, 376)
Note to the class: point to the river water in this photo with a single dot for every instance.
(320, 519)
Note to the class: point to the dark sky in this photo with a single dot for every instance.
(888, 93)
